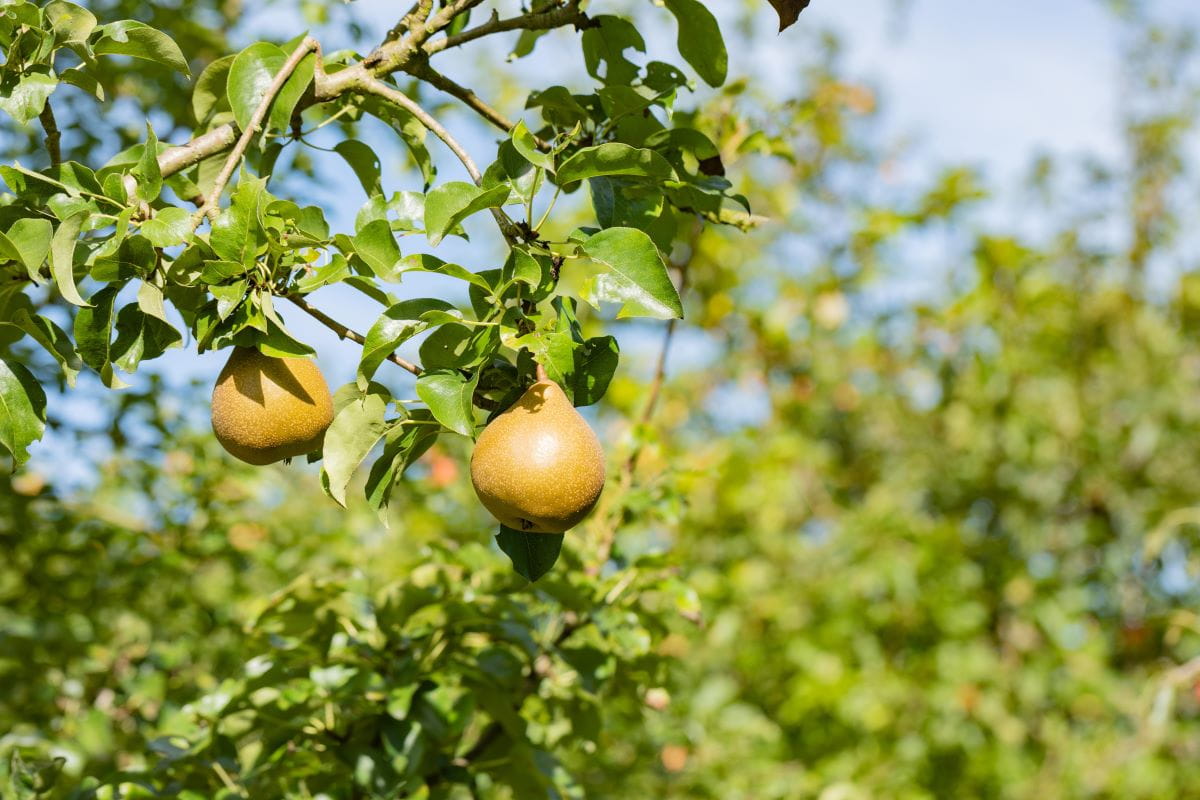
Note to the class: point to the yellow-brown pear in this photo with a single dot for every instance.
(265, 409)
(538, 466)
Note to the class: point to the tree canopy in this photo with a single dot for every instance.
(864, 547)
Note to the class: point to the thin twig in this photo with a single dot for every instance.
(53, 136)
(538, 21)
(307, 45)
(345, 332)
(416, 15)
(436, 79)
(396, 97)
(393, 95)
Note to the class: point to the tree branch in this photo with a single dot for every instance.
(393, 95)
(345, 332)
(53, 136)
(396, 97)
(422, 70)
(539, 21)
(416, 15)
(306, 46)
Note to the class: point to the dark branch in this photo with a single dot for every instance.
(422, 70)
(53, 136)
(540, 21)
(345, 332)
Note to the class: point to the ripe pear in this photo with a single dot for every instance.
(265, 409)
(538, 467)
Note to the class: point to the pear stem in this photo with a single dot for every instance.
(540, 372)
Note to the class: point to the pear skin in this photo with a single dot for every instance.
(266, 409)
(538, 467)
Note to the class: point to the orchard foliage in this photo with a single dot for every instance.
(867, 547)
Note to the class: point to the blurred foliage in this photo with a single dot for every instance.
(871, 548)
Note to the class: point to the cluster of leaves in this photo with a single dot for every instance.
(117, 243)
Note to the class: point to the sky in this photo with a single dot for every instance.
(984, 83)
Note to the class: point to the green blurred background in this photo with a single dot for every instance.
(915, 515)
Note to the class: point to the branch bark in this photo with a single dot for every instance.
(538, 21)
(53, 136)
(423, 71)
(396, 97)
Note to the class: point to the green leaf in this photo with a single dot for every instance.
(279, 342)
(71, 24)
(22, 410)
(62, 257)
(138, 40)
(408, 210)
(614, 158)
(30, 237)
(456, 346)
(83, 79)
(625, 203)
(605, 43)
(559, 107)
(237, 233)
(532, 554)
(251, 75)
(424, 262)
(555, 352)
(449, 397)
(149, 177)
(27, 97)
(208, 96)
(700, 40)
(150, 300)
(168, 227)
(451, 203)
(364, 162)
(33, 780)
(595, 364)
(404, 444)
(10, 252)
(140, 337)
(376, 245)
(93, 329)
(522, 267)
(356, 429)
(526, 145)
(395, 326)
(513, 170)
(54, 339)
(634, 275)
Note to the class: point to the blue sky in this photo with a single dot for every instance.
(986, 83)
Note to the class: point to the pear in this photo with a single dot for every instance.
(265, 409)
(538, 467)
